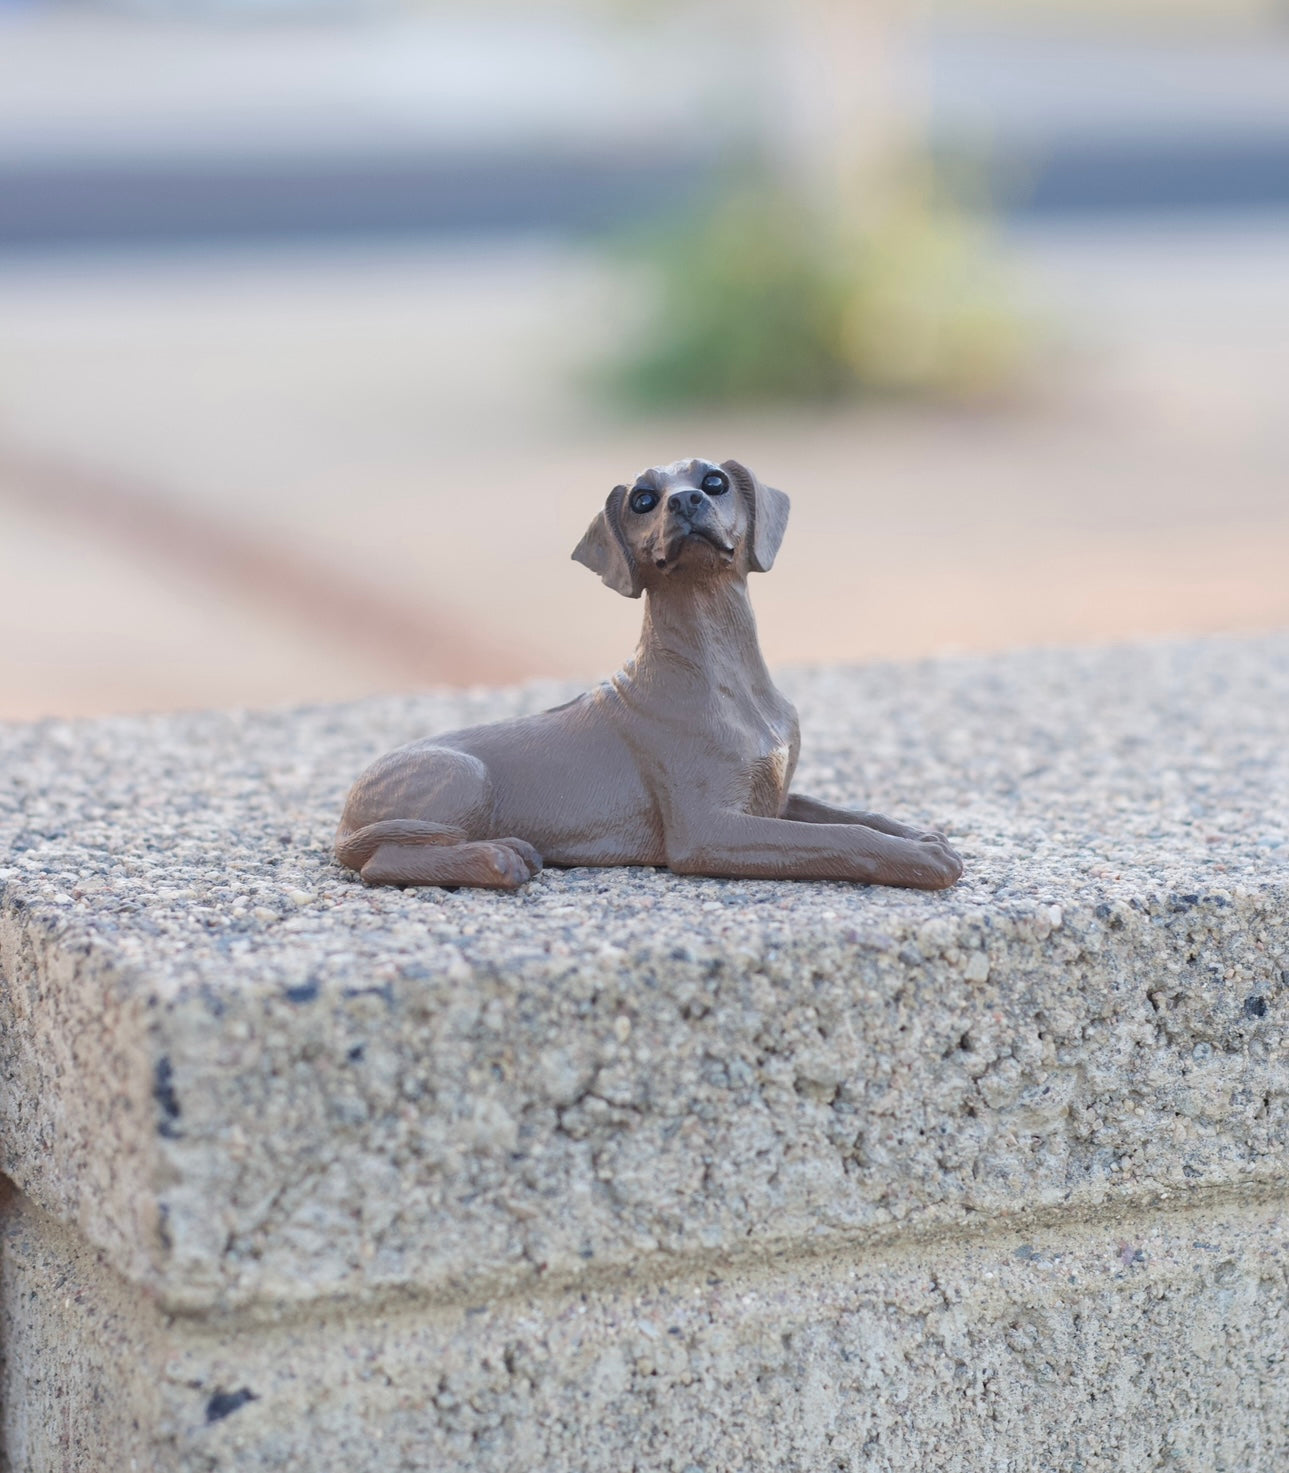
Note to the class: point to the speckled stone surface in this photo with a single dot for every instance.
(1151, 1342)
(250, 1083)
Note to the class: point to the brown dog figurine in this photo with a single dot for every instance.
(683, 758)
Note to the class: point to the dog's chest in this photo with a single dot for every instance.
(767, 780)
(767, 741)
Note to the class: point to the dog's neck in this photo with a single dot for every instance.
(704, 628)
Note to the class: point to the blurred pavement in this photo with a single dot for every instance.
(412, 427)
(289, 472)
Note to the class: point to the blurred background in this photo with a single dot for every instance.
(327, 325)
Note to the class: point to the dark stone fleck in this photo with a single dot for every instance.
(225, 1403)
(355, 1054)
(385, 993)
(163, 1091)
(305, 992)
(1255, 1007)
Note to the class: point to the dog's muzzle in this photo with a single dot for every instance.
(690, 515)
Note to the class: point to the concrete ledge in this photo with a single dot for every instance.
(267, 1107)
(1155, 1341)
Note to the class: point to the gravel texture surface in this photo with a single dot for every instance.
(1152, 1343)
(183, 844)
(251, 1079)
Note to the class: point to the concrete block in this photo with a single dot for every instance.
(925, 1173)
(1153, 1341)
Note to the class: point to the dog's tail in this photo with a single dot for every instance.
(355, 847)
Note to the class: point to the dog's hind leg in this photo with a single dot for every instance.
(491, 864)
(354, 848)
(440, 836)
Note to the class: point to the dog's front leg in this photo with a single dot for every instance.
(732, 845)
(801, 809)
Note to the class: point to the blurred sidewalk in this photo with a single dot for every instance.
(298, 468)
(411, 426)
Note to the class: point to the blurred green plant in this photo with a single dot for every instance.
(762, 298)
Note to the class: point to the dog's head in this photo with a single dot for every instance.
(693, 517)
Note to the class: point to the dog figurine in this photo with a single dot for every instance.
(683, 758)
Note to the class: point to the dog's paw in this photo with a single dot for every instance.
(526, 852)
(508, 863)
(942, 862)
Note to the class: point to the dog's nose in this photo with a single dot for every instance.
(684, 501)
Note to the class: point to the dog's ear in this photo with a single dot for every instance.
(604, 548)
(768, 509)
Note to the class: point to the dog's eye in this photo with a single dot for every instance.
(716, 483)
(644, 500)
